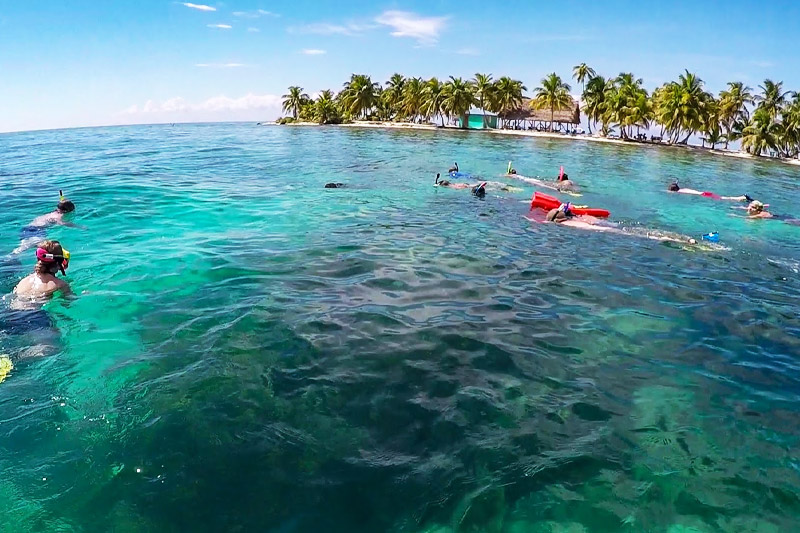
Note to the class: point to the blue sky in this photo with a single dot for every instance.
(94, 62)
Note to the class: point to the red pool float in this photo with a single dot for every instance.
(547, 202)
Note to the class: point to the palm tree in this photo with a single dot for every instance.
(553, 95)
(772, 98)
(712, 124)
(733, 103)
(791, 127)
(432, 99)
(413, 98)
(325, 110)
(593, 100)
(484, 91)
(360, 95)
(581, 73)
(458, 98)
(393, 94)
(507, 94)
(294, 100)
(761, 133)
(681, 105)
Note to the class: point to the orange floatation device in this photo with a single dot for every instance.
(547, 202)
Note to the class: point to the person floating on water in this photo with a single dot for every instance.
(561, 184)
(564, 216)
(51, 258)
(334, 185)
(674, 187)
(35, 230)
(479, 190)
(445, 183)
(563, 181)
(452, 169)
(758, 210)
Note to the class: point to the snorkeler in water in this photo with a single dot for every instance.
(564, 216)
(758, 210)
(334, 185)
(452, 169)
(445, 183)
(51, 258)
(35, 230)
(561, 184)
(674, 187)
(479, 190)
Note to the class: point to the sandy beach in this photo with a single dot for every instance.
(549, 135)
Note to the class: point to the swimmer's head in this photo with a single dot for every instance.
(556, 215)
(563, 177)
(64, 206)
(479, 190)
(674, 187)
(50, 258)
(755, 207)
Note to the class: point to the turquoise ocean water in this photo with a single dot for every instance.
(249, 351)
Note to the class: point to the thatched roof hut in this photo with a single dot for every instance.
(526, 112)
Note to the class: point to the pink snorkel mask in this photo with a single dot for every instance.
(62, 260)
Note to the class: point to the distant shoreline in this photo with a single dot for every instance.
(549, 135)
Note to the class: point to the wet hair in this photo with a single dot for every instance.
(65, 206)
(564, 177)
(479, 191)
(555, 215)
(756, 206)
(674, 187)
(444, 183)
(51, 247)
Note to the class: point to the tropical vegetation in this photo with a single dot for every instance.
(765, 121)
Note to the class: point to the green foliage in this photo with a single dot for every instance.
(294, 100)
(360, 95)
(507, 95)
(765, 122)
(458, 97)
(553, 95)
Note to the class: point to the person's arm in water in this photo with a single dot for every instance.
(743, 198)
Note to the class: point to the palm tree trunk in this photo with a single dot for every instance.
(552, 116)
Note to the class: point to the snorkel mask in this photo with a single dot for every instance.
(61, 260)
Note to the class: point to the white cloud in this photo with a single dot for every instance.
(220, 65)
(325, 28)
(199, 7)
(219, 108)
(425, 30)
(255, 14)
(314, 52)
(253, 30)
(220, 26)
